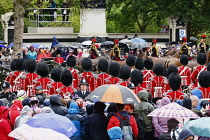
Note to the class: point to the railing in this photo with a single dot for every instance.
(47, 17)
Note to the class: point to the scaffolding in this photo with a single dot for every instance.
(49, 17)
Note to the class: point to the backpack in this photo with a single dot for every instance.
(141, 127)
(127, 133)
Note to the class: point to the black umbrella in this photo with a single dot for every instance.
(76, 45)
(60, 46)
(107, 43)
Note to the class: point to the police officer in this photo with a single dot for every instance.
(6, 93)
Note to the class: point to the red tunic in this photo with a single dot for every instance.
(147, 74)
(101, 79)
(63, 90)
(157, 86)
(90, 79)
(75, 78)
(195, 74)
(43, 81)
(185, 73)
(59, 60)
(113, 80)
(14, 78)
(124, 83)
(205, 92)
(174, 95)
(29, 83)
(53, 86)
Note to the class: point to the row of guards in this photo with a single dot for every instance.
(66, 80)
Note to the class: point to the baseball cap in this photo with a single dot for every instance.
(21, 93)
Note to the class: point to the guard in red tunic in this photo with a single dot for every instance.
(102, 67)
(201, 59)
(71, 62)
(11, 76)
(139, 63)
(93, 49)
(125, 74)
(130, 61)
(175, 83)
(171, 68)
(157, 81)
(30, 76)
(66, 79)
(55, 84)
(114, 70)
(90, 78)
(184, 71)
(148, 73)
(137, 79)
(204, 83)
(42, 80)
(58, 57)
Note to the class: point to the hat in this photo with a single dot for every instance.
(42, 69)
(135, 35)
(203, 36)
(83, 82)
(13, 65)
(94, 40)
(66, 78)
(174, 81)
(38, 87)
(114, 69)
(154, 41)
(21, 93)
(71, 61)
(19, 64)
(54, 37)
(139, 63)
(203, 79)
(56, 74)
(116, 41)
(130, 61)
(158, 69)
(136, 77)
(5, 85)
(197, 92)
(201, 58)
(184, 59)
(184, 39)
(86, 64)
(34, 99)
(30, 65)
(185, 133)
(125, 72)
(172, 68)
(148, 63)
(131, 85)
(126, 36)
(103, 65)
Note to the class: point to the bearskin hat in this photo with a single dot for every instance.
(158, 69)
(139, 64)
(130, 60)
(116, 41)
(86, 64)
(172, 68)
(208, 67)
(30, 65)
(203, 36)
(103, 65)
(19, 64)
(203, 79)
(114, 69)
(184, 39)
(174, 81)
(184, 59)
(136, 77)
(93, 40)
(42, 69)
(201, 58)
(71, 61)
(154, 41)
(66, 77)
(13, 65)
(56, 74)
(125, 72)
(148, 63)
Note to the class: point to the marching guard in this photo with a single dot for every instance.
(137, 79)
(93, 49)
(174, 82)
(204, 83)
(125, 74)
(116, 54)
(56, 83)
(171, 69)
(71, 62)
(130, 61)
(114, 70)
(139, 63)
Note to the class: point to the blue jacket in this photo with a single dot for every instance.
(55, 41)
(77, 120)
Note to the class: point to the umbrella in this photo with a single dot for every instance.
(86, 43)
(200, 127)
(107, 43)
(26, 132)
(138, 40)
(60, 46)
(53, 121)
(113, 93)
(193, 39)
(140, 45)
(12, 44)
(37, 46)
(173, 110)
(76, 45)
(2, 46)
(126, 41)
(2, 42)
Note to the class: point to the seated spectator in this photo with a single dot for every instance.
(41, 54)
(32, 53)
(47, 52)
(58, 57)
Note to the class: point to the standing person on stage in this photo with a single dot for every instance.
(83, 92)
(54, 42)
(202, 47)
(184, 49)
(116, 55)
(93, 49)
(154, 48)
